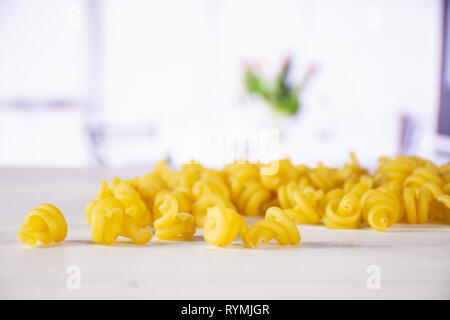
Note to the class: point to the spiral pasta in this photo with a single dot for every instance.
(443, 211)
(417, 201)
(254, 199)
(44, 223)
(239, 174)
(276, 225)
(380, 208)
(182, 197)
(286, 172)
(322, 177)
(210, 185)
(337, 193)
(343, 213)
(201, 206)
(131, 201)
(301, 204)
(396, 169)
(350, 171)
(358, 186)
(423, 175)
(105, 217)
(173, 225)
(148, 186)
(108, 220)
(223, 225)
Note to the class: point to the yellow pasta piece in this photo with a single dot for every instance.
(350, 171)
(108, 220)
(300, 204)
(104, 192)
(210, 185)
(322, 177)
(276, 225)
(239, 175)
(343, 213)
(444, 172)
(285, 194)
(444, 202)
(132, 202)
(253, 199)
(148, 186)
(358, 187)
(206, 201)
(186, 177)
(44, 223)
(182, 197)
(105, 217)
(342, 208)
(173, 225)
(396, 169)
(286, 172)
(380, 208)
(423, 175)
(326, 199)
(417, 201)
(223, 225)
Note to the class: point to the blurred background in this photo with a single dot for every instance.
(117, 83)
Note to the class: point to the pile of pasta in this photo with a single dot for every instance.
(406, 189)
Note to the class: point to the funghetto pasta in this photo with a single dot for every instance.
(173, 225)
(132, 201)
(182, 197)
(108, 220)
(206, 201)
(300, 203)
(380, 208)
(343, 213)
(44, 223)
(223, 225)
(148, 186)
(276, 225)
(285, 173)
(405, 189)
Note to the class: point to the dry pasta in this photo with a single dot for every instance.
(276, 225)
(223, 225)
(301, 204)
(182, 198)
(254, 199)
(286, 172)
(201, 206)
(343, 213)
(380, 208)
(404, 189)
(44, 223)
(173, 225)
(109, 220)
(131, 201)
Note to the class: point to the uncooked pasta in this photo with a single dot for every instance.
(173, 225)
(276, 225)
(44, 223)
(405, 189)
(223, 225)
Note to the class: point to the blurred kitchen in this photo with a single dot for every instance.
(87, 83)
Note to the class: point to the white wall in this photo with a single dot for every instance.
(376, 59)
(178, 64)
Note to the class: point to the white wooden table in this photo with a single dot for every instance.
(414, 261)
